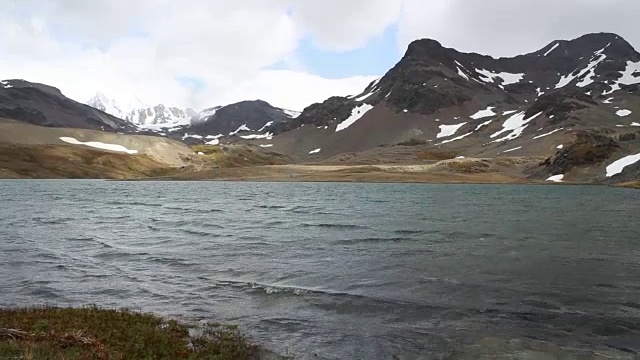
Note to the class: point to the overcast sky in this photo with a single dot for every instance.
(202, 53)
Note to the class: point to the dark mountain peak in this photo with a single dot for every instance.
(611, 44)
(22, 84)
(601, 38)
(257, 102)
(45, 105)
(423, 48)
(248, 114)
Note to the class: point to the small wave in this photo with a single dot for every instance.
(58, 221)
(275, 223)
(134, 203)
(170, 222)
(171, 262)
(301, 209)
(270, 289)
(80, 239)
(335, 226)
(369, 240)
(409, 232)
(117, 217)
(198, 233)
(104, 244)
(270, 206)
(211, 226)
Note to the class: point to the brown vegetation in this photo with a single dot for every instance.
(91, 333)
(64, 161)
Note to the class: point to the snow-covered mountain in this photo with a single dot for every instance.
(575, 103)
(142, 115)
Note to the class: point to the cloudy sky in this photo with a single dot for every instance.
(201, 53)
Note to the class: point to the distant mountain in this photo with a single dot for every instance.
(576, 102)
(252, 115)
(45, 105)
(147, 117)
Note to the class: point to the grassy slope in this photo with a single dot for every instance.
(64, 161)
(91, 333)
(631, 184)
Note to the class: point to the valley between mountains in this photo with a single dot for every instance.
(567, 113)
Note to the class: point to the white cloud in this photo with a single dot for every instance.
(344, 25)
(141, 48)
(510, 27)
(299, 88)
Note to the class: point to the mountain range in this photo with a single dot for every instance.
(572, 108)
(143, 116)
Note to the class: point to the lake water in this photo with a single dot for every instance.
(341, 271)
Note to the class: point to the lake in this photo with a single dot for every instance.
(340, 271)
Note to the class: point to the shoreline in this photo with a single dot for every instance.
(74, 333)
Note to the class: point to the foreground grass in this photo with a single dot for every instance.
(92, 333)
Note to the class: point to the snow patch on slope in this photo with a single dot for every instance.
(547, 134)
(596, 59)
(290, 113)
(267, 136)
(556, 178)
(484, 113)
(630, 76)
(515, 125)
(449, 130)
(99, 145)
(364, 96)
(552, 48)
(205, 114)
(511, 150)
(507, 78)
(241, 128)
(459, 67)
(357, 113)
(618, 166)
(623, 113)
(456, 138)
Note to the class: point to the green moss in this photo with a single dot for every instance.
(92, 333)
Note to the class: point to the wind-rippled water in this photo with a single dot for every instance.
(340, 271)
